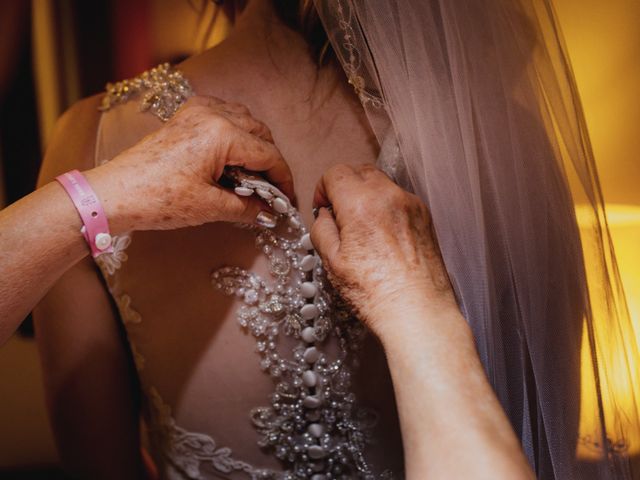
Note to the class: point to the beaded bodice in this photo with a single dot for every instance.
(312, 422)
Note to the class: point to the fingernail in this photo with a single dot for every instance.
(316, 212)
(266, 219)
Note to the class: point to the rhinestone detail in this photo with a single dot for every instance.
(312, 424)
(164, 90)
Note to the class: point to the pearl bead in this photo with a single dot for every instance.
(310, 378)
(311, 355)
(309, 311)
(243, 191)
(319, 476)
(280, 206)
(308, 289)
(316, 452)
(311, 401)
(294, 222)
(264, 193)
(306, 242)
(309, 334)
(307, 263)
(315, 430)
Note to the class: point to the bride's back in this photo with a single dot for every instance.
(199, 371)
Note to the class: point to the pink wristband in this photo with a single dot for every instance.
(96, 227)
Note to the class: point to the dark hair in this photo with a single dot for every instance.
(299, 15)
(302, 16)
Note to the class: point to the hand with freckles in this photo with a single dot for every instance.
(380, 254)
(170, 178)
(378, 249)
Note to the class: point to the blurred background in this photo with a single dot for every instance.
(54, 52)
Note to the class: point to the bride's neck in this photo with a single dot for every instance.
(265, 56)
(263, 45)
(259, 29)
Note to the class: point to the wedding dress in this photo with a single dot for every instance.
(475, 110)
(306, 345)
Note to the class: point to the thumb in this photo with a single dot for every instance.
(226, 206)
(325, 236)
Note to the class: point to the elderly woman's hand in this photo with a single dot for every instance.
(169, 179)
(381, 256)
(377, 247)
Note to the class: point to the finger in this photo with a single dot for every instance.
(249, 124)
(229, 207)
(253, 153)
(325, 236)
(238, 113)
(326, 192)
(236, 107)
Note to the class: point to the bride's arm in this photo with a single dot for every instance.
(381, 256)
(87, 369)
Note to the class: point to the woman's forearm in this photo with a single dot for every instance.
(452, 423)
(166, 181)
(39, 240)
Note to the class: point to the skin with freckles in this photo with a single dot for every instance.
(380, 233)
(382, 257)
(151, 186)
(197, 358)
(176, 170)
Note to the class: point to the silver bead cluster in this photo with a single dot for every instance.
(312, 424)
(165, 89)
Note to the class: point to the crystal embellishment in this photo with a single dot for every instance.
(312, 423)
(164, 90)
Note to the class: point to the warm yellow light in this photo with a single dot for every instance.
(618, 357)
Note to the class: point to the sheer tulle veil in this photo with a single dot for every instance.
(475, 107)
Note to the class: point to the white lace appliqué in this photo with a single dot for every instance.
(187, 451)
(110, 262)
(128, 314)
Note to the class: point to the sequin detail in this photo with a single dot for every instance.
(312, 424)
(164, 90)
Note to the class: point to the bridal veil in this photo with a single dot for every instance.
(475, 107)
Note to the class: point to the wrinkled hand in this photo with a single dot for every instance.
(378, 250)
(169, 179)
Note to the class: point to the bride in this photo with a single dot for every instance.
(229, 340)
(197, 373)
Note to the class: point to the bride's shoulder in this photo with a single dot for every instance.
(106, 123)
(72, 142)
